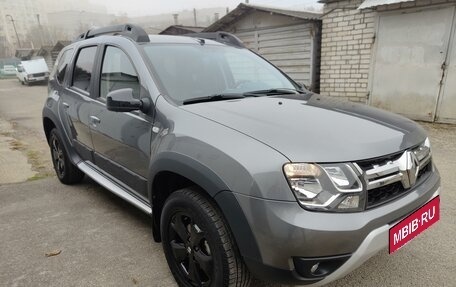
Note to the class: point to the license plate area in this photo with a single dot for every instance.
(415, 223)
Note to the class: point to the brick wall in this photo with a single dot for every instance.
(346, 46)
(347, 37)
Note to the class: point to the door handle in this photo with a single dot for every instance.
(94, 120)
(65, 105)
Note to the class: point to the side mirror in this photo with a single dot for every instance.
(122, 100)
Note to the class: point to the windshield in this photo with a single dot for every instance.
(193, 71)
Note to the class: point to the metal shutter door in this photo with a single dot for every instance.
(410, 50)
(289, 48)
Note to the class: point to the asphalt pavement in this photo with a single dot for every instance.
(92, 238)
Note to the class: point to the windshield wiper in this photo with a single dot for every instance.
(231, 96)
(279, 91)
(213, 98)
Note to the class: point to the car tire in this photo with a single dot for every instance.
(198, 244)
(65, 170)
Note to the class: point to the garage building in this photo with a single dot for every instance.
(398, 55)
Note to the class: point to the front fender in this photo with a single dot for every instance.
(217, 189)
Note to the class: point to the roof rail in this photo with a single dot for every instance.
(134, 32)
(221, 37)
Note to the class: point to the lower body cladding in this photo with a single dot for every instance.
(303, 247)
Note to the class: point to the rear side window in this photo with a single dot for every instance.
(118, 73)
(83, 69)
(62, 65)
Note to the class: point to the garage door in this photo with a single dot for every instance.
(289, 48)
(446, 112)
(411, 49)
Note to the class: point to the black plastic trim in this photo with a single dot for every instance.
(326, 265)
(221, 37)
(133, 32)
(129, 178)
(273, 274)
(239, 225)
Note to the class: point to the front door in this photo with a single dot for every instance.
(121, 140)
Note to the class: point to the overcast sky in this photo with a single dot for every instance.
(148, 7)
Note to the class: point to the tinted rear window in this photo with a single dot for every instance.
(62, 64)
(82, 74)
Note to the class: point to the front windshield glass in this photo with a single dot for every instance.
(193, 71)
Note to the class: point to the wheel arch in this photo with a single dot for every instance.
(50, 121)
(172, 171)
(48, 125)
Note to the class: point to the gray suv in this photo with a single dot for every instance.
(242, 171)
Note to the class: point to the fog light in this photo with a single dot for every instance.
(350, 202)
(318, 267)
(314, 267)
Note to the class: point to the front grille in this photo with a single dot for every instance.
(381, 195)
(390, 177)
(371, 163)
(38, 75)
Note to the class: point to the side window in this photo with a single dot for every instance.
(83, 69)
(118, 73)
(62, 64)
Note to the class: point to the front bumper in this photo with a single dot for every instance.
(37, 79)
(376, 240)
(283, 231)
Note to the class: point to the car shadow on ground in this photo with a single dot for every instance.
(113, 200)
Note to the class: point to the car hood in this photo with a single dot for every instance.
(314, 128)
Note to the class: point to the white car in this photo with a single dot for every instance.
(9, 70)
(32, 71)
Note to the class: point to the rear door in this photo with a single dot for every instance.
(76, 101)
(121, 140)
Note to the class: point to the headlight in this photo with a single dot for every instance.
(427, 143)
(327, 187)
(423, 151)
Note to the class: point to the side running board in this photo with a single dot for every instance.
(113, 187)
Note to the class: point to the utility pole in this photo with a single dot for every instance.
(15, 31)
(40, 29)
(194, 17)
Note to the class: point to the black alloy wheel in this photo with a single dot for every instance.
(198, 244)
(58, 157)
(65, 170)
(191, 249)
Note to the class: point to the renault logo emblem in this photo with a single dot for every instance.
(409, 166)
